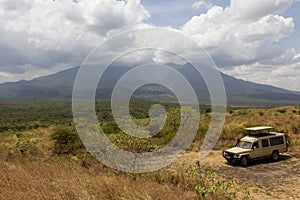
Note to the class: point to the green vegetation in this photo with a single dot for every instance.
(39, 137)
(27, 115)
(66, 141)
(26, 145)
(219, 188)
(23, 116)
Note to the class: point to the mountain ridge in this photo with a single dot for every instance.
(239, 92)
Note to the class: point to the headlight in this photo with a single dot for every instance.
(236, 156)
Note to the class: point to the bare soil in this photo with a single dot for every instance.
(264, 178)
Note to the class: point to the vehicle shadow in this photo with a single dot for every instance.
(262, 161)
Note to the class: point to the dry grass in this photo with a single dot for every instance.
(57, 180)
(283, 119)
(45, 176)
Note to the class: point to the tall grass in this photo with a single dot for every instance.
(50, 163)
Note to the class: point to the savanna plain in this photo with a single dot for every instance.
(42, 157)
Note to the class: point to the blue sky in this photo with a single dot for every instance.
(294, 39)
(174, 12)
(257, 40)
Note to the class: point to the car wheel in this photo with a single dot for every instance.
(244, 161)
(275, 156)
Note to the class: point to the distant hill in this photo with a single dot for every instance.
(239, 92)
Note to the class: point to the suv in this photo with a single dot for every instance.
(260, 143)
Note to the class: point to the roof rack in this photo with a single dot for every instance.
(259, 128)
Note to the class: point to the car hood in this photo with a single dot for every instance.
(238, 150)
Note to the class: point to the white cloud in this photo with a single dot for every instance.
(38, 37)
(243, 38)
(282, 71)
(255, 9)
(30, 72)
(48, 33)
(284, 76)
(202, 4)
(235, 41)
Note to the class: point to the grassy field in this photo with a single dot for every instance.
(41, 156)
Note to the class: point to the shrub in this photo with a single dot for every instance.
(282, 111)
(66, 141)
(208, 110)
(133, 144)
(25, 145)
(219, 188)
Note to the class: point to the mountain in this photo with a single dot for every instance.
(239, 92)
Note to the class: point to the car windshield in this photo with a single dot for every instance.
(244, 144)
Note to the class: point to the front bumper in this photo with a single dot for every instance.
(232, 160)
(230, 157)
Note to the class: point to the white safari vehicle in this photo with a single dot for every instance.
(259, 143)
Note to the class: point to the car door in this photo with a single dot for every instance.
(256, 150)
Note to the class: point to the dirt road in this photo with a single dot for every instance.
(266, 179)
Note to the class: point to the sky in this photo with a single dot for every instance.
(257, 40)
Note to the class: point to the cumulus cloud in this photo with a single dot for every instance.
(284, 76)
(202, 5)
(258, 8)
(46, 33)
(242, 39)
(232, 40)
(42, 36)
(29, 72)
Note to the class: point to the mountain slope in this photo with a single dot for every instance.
(59, 85)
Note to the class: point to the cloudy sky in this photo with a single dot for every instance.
(257, 40)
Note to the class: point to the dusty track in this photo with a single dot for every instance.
(266, 179)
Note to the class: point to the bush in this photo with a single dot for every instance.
(25, 145)
(133, 144)
(66, 141)
(282, 111)
(208, 110)
(215, 187)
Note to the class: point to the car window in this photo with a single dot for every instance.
(243, 144)
(276, 141)
(265, 142)
(255, 145)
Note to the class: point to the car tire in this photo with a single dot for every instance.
(275, 156)
(244, 161)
